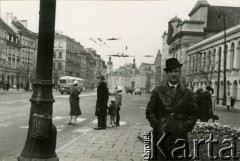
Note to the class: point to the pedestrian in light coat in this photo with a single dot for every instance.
(171, 112)
(102, 103)
(74, 103)
(228, 100)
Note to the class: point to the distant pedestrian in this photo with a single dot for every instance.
(4, 86)
(232, 102)
(206, 111)
(74, 103)
(18, 86)
(213, 100)
(198, 101)
(7, 86)
(228, 101)
(118, 103)
(101, 103)
(112, 111)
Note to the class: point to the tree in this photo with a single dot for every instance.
(208, 68)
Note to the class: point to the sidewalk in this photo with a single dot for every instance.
(236, 106)
(116, 143)
(11, 91)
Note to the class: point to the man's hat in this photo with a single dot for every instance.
(101, 77)
(172, 63)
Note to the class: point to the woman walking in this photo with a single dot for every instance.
(74, 103)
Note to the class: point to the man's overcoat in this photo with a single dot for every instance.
(206, 111)
(102, 100)
(171, 111)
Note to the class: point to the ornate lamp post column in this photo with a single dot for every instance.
(221, 14)
(41, 138)
(219, 73)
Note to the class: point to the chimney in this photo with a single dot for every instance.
(15, 18)
(9, 18)
(24, 22)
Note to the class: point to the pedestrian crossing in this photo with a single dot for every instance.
(121, 122)
(81, 95)
(60, 127)
(14, 102)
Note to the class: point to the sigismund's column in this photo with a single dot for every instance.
(41, 138)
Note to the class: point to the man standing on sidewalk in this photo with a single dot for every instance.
(171, 113)
(206, 111)
(102, 103)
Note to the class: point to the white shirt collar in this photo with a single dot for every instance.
(172, 85)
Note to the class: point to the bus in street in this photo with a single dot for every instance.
(66, 82)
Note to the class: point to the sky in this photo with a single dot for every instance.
(139, 25)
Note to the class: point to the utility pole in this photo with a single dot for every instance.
(41, 138)
(221, 14)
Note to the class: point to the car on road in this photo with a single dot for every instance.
(138, 91)
(129, 90)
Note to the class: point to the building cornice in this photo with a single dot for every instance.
(214, 38)
(190, 21)
(181, 33)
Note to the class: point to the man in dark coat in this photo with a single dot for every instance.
(206, 111)
(102, 103)
(171, 113)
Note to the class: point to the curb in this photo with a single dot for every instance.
(72, 141)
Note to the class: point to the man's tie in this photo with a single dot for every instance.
(172, 87)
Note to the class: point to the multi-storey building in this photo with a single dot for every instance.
(158, 67)
(66, 57)
(199, 44)
(207, 56)
(95, 66)
(122, 79)
(26, 70)
(10, 57)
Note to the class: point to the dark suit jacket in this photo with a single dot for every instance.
(102, 100)
(206, 111)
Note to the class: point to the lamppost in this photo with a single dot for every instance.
(218, 77)
(221, 14)
(41, 138)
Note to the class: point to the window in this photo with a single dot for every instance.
(60, 55)
(60, 44)
(60, 66)
(54, 55)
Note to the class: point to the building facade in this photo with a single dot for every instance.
(198, 43)
(18, 52)
(66, 57)
(207, 56)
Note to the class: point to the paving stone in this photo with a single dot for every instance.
(111, 144)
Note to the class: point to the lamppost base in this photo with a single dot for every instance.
(21, 158)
